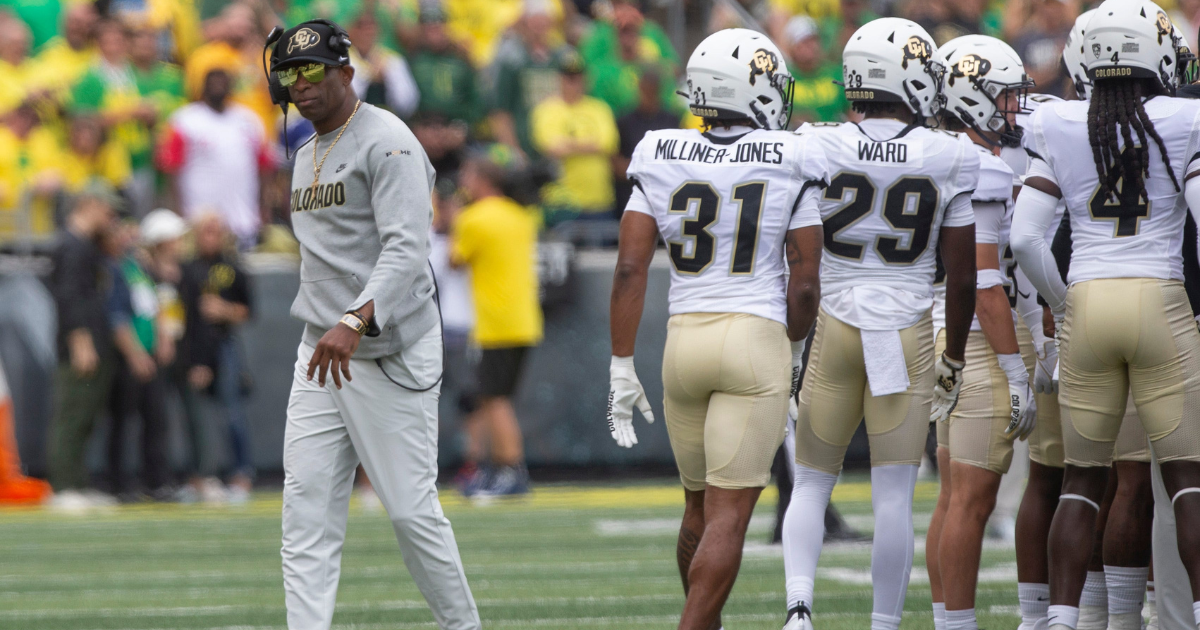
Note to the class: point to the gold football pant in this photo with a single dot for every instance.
(1122, 337)
(836, 397)
(726, 378)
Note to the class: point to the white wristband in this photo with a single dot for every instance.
(1014, 367)
(798, 349)
(622, 362)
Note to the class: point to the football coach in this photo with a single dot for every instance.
(368, 370)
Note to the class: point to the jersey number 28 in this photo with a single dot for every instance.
(917, 221)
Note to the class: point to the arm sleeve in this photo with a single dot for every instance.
(1027, 305)
(403, 205)
(1031, 218)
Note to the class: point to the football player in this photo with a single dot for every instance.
(728, 202)
(898, 191)
(985, 89)
(1124, 326)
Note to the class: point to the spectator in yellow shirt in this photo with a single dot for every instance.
(31, 164)
(64, 59)
(579, 132)
(496, 240)
(15, 40)
(91, 155)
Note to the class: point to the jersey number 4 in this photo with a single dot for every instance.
(1127, 209)
(749, 196)
(917, 220)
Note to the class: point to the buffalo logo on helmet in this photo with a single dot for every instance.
(763, 62)
(303, 39)
(916, 49)
(1164, 26)
(969, 67)
(1096, 50)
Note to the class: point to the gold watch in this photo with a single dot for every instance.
(355, 323)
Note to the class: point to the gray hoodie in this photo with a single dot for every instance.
(364, 232)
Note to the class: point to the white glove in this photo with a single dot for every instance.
(624, 393)
(1024, 410)
(1044, 381)
(1059, 318)
(797, 365)
(945, 388)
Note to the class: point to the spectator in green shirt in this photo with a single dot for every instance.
(816, 97)
(601, 42)
(110, 88)
(526, 74)
(614, 77)
(444, 75)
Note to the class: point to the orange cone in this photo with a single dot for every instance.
(15, 488)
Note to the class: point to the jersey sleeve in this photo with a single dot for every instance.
(637, 162)
(989, 219)
(1034, 143)
(812, 172)
(639, 203)
(1193, 165)
(959, 213)
(995, 181)
(962, 185)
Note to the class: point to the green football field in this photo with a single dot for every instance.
(571, 556)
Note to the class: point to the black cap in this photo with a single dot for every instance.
(317, 41)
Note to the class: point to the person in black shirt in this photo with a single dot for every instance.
(79, 283)
(649, 116)
(216, 300)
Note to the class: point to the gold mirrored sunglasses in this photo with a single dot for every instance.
(313, 73)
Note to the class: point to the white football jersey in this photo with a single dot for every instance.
(889, 194)
(993, 205)
(1135, 237)
(1016, 157)
(723, 205)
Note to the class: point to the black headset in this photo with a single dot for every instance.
(339, 43)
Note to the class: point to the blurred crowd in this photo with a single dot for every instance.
(139, 145)
(170, 108)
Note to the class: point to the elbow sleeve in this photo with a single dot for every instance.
(1031, 219)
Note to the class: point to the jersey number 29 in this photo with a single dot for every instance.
(918, 222)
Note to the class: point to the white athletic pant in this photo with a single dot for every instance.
(1172, 588)
(393, 431)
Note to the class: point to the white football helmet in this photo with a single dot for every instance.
(979, 70)
(739, 73)
(1074, 59)
(894, 60)
(1132, 39)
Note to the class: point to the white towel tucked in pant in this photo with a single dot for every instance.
(883, 354)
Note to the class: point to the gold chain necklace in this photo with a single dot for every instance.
(317, 167)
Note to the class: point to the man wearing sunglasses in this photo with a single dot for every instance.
(368, 371)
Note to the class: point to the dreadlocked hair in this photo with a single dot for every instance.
(1116, 108)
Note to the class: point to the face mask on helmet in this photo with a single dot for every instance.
(986, 87)
(738, 74)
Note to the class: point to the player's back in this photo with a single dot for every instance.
(1129, 236)
(889, 191)
(723, 204)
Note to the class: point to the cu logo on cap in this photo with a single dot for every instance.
(303, 39)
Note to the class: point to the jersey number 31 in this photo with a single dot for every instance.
(749, 196)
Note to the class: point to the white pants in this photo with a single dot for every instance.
(1172, 588)
(394, 433)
